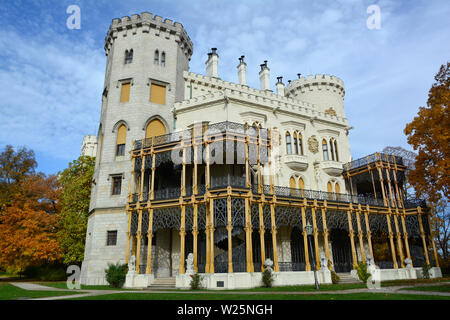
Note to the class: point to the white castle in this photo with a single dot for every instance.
(287, 171)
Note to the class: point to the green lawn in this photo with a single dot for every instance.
(306, 288)
(218, 296)
(439, 288)
(10, 292)
(63, 285)
(413, 281)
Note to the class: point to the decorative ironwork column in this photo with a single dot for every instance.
(325, 233)
(152, 189)
(399, 239)
(211, 236)
(142, 176)
(316, 234)
(269, 154)
(127, 256)
(182, 237)
(391, 238)
(350, 233)
(195, 234)
(422, 235)
(258, 153)
(380, 174)
(229, 229)
(195, 173)
(305, 237)
(247, 164)
(248, 236)
(405, 234)
(276, 267)
(360, 234)
(261, 232)
(369, 234)
(139, 236)
(150, 241)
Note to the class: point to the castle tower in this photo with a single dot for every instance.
(146, 58)
(325, 91)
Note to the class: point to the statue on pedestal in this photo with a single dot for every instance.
(132, 264)
(190, 264)
(268, 264)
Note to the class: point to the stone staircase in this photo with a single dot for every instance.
(162, 283)
(347, 278)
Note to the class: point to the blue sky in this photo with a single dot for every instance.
(51, 78)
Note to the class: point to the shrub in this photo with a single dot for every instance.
(363, 274)
(426, 270)
(267, 278)
(51, 272)
(196, 281)
(334, 277)
(116, 274)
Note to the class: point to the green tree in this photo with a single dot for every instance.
(76, 183)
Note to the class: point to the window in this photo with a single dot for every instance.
(158, 93)
(156, 59)
(329, 187)
(155, 128)
(295, 143)
(121, 140)
(300, 144)
(336, 150)
(116, 185)
(111, 238)
(325, 150)
(128, 56)
(125, 94)
(337, 188)
(301, 184)
(163, 59)
(332, 149)
(288, 143)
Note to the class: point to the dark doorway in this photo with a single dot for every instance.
(342, 253)
(297, 250)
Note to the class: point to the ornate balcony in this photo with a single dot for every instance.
(332, 168)
(296, 162)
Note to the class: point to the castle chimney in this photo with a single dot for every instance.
(212, 64)
(299, 75)
(264, 76)
(280, 86)
(242, 71)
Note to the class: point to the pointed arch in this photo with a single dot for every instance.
(121, 140)
(336, 150)
(295, 143)
(337, 188)
(329, 187)
(300, 144)
(163, 59)
(332, 149)
(156, 58)
(325, 150)
(301, 184)
(155, 128)
(128, 56)
(288, 143)
(118, 124)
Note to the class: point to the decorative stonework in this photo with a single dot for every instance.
(331, 112)
(313, 144)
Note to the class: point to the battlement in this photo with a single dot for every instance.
(318, 81)
(145, 22)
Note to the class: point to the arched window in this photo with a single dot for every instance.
(121, 140)
(295, 143)
(300, 144)
(292, 187)
(155, 128)
(156, 59)
(288, 143)
(325, 150)
(301, 184)
(336, 150)
(337, 188)
(128, 56)
(163, 59)
(332, 149)
(329, 187)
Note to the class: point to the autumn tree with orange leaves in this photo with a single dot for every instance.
(28, 215)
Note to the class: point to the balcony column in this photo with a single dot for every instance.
(360, 233)
(208, 238)
(269, 155)
(380, 174)
(351, 235)
(141, 189)
(229, 229)
(248, 235)
(130, 184)
(422, 235)
(305, 236)
(397, 192)
(369, 234)
(182, 236)
(150, 239)
(371, 176)
(316, 234)
(183, 170)
(261, 232)
(127, 256)
(432, 241)
(247, 165)
(405, 234)
(207, 171)
(391, 238)
(258, 151)
(211, 237)
(152, 188)
(276, 267)
(139, 236)
(325, 233)
(399, 239)
(195, 234)
(388, 175)
(195, 173)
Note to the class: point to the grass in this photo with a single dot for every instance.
(218, 296)
(413, 281)
(306, 288)
(439, 288)
(10, 292)
(63, 285)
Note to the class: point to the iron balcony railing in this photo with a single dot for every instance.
(371, 159)
(213, 129)
(239, 182)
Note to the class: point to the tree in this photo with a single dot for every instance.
(441, 223)
(15, 166)
(429, 133)
(76, 183)
(29, 224)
